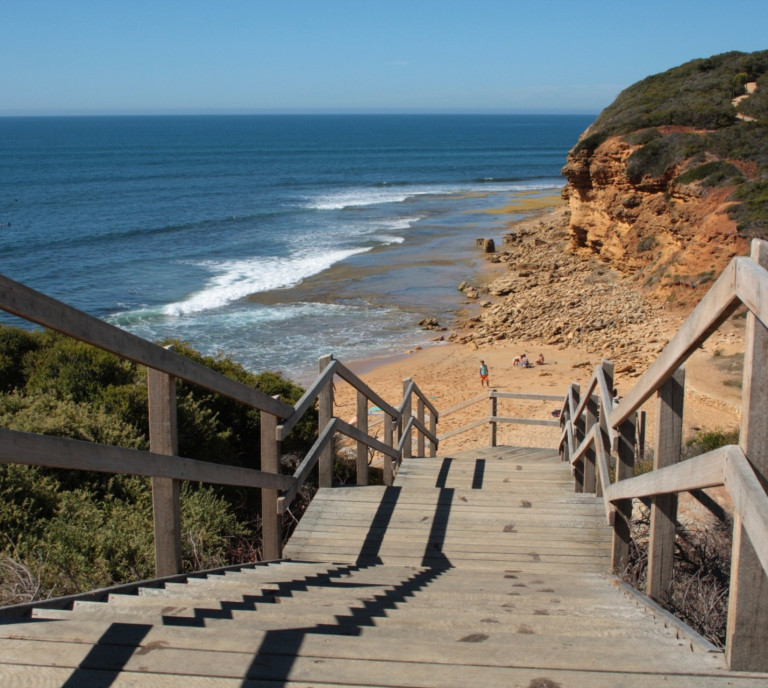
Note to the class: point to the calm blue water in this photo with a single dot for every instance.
(274, 239)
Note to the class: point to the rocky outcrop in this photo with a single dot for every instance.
(665, 234)
(558, 297)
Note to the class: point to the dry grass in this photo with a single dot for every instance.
(700, 582)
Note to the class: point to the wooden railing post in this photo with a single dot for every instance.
(324, 416)
(407, 412)
(746, 644)
(625, 468)
(271, 523)
(433, 430)
(578, 435)
(669, 441)
(389, 441)
(590, 455)
(166, 504)
(362, 449)
(420, 436)
(494, 413)
(606, 436)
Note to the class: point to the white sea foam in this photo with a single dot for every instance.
(388, 239)
(366, 196)
(236, 279)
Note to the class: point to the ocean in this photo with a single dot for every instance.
(271, 239)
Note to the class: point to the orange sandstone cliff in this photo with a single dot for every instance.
(663, 233)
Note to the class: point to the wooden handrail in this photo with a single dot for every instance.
(494, 418)
(336, 425)
(31, 305)
(62, 452)
(743, 470)
(163, 464)
(530, 397)
(698, 473)
(749, 500)
(303, 470)
(348, 376)
(466, 404)
(307, 400)
(717, 305)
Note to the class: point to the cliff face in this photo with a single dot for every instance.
(668, 236)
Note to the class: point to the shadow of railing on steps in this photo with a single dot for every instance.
(593, 427)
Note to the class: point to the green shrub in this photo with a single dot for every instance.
(70, 531)
(704, 441)
(751, 213)
(658, 155)
(711, 174)
(698, 95)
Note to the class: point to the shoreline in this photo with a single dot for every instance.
(448, 373)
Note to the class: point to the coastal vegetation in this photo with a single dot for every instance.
(706, 122)
(700, 584)
(69, 531)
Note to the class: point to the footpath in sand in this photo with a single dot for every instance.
(538, 298)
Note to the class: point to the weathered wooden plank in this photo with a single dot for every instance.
(749, 500)
(530, 397)
(464, 428)
(423, 663)
(748, 599)
(308, 399)
(752, 285)
(43, 310)
(464, 404)
(271, 523)
(706, 470)
(348, 376)
(166, 502)
(307, 464)
(667, 449)
(59, 452)
(717, 305)
(524, 421)
(52, 677)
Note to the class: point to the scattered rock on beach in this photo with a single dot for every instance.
(553, 296)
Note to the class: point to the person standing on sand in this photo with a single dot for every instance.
(484, 374)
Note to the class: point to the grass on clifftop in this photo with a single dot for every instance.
(716, 144)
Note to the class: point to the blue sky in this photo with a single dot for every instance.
(287, 56)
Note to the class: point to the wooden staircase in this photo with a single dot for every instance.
(479, 569)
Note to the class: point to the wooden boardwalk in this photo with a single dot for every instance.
(481, 569)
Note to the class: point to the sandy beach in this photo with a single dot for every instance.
(449, 374)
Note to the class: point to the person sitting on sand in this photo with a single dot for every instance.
(484, 374)
(540, 360)
(524, 362)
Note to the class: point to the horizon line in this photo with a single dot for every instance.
(298, 113)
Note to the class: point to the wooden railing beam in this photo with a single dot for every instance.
(717, 305)
(41, 309)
